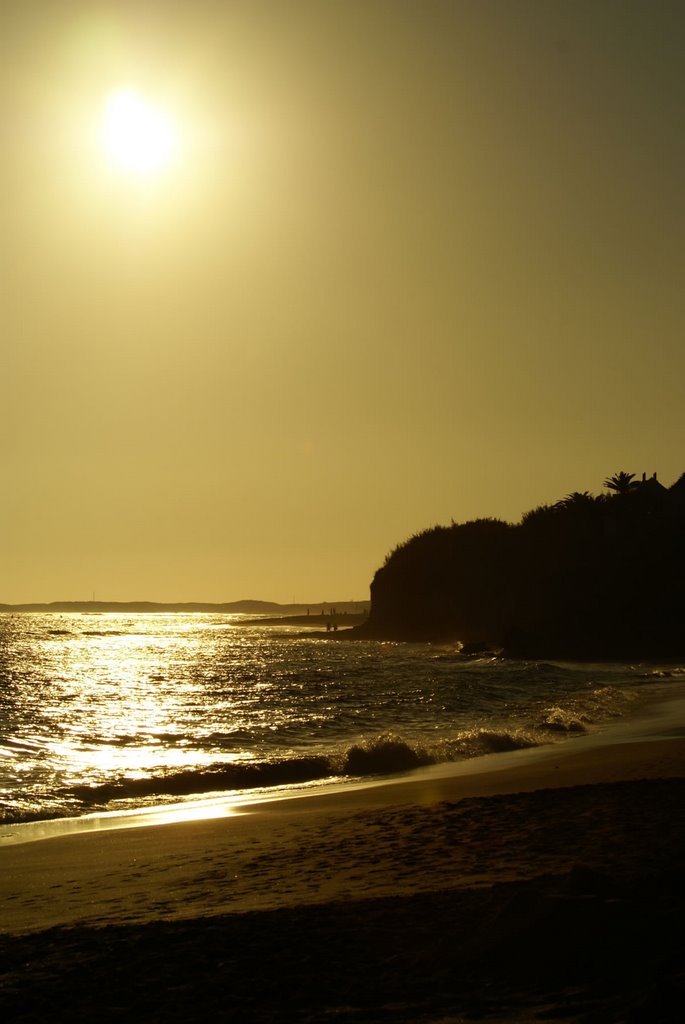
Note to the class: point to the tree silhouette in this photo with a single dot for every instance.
(621, 483)
(577, 499)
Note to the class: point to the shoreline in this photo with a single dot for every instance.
(547, 887)
(33, 868)
(661, 715)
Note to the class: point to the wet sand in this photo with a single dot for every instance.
(548, 889)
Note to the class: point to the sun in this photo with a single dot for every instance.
(138, 137)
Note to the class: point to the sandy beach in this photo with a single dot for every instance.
(546, 889)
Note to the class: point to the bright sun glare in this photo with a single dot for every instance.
(138, 137)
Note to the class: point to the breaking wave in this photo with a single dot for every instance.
(476, 742)
(214, 779)
(386, 754)
(382, 755)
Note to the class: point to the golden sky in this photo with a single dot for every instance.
(409, 261)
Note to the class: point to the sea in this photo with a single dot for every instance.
(103, 713)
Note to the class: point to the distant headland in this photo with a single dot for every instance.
(590, 576)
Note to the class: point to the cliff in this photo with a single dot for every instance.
(587, 577)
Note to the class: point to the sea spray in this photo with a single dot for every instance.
(385, 754)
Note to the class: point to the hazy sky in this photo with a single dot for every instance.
(412, 261)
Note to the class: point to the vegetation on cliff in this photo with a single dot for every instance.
(589, 576)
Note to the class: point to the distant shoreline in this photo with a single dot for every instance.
(344, 620)
(338, 618)
(247, 607)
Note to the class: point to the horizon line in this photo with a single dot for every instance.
(180, 604)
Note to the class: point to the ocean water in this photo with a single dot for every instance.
(110, 712)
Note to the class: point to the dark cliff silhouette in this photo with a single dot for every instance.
(587, 577)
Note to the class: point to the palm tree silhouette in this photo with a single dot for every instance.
(577, 499)
(621, 483)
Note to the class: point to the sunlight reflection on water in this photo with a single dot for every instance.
(118, 712)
